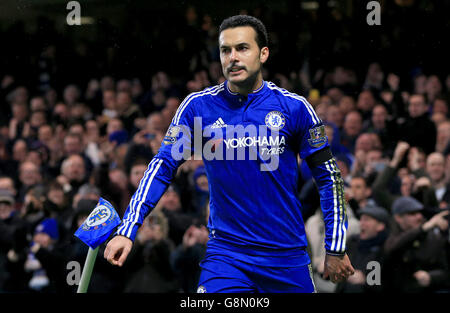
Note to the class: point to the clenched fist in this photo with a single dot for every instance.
(117, 250)
(337, 268)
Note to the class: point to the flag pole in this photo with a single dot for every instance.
(87, 270)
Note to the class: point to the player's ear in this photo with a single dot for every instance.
(264, 54)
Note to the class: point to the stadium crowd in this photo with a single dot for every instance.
(64, 143)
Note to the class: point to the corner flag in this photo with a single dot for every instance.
(94, 231)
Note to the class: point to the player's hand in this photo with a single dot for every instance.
(117, 250)
(337, 268)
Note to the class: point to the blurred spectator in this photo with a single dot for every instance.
(366, 247)
(150, 267)
(61, 114)
(169, 111)
(435, 168)
(438, 118)
(415, 251)
(7, 204)
(119, 179)
(440, 106)
(18, 95)
(155, 123)
(37, 119)
(351, 129)
(409, 185)
(335, 116)
(334, 93)
(346, 105)
(50, 97)
(443, 137)
(367, 146)
(109, 105)
(92, 142)
(374, 77)
(107, 83)
(365, 104)
(18, 124)
(71, 95)
(86, 192)
(418, 130)
(187, 256)
(39, 263)
(114, 125)
(381, 125)
(57, 206)
(359, 195)
(135, 174)
(334, 139)
(114, 190)
(179, 221)
(45, 134)
(37, 104)
(140, 148)
(12, 236)
(420, 82)
(29, 177)
(433, 88)
(7, 183)
(73, 174)
(20, 150)
(74, 145)
(127, 111)
(416, 161)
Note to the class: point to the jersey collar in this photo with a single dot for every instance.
(260, 90)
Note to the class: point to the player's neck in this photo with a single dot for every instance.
(246, 87)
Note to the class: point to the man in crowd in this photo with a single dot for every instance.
(366, 247)
(415, 251)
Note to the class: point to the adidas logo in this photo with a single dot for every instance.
(219, 123)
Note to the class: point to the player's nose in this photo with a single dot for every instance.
(233, 56)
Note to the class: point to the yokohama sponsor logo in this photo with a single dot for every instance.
(254, 141)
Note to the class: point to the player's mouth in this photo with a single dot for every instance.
(236, 70)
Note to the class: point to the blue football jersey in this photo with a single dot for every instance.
(250, 147)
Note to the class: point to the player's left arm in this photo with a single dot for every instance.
(315, 150)
(331, 190)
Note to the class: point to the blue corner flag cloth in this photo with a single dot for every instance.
(99, 224)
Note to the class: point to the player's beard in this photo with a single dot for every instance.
(247, 83)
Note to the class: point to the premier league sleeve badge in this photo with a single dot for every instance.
(317, 136)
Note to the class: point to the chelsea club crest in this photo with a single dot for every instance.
(275, 120)
(100, 216)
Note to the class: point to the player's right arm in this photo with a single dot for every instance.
(175, 149)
